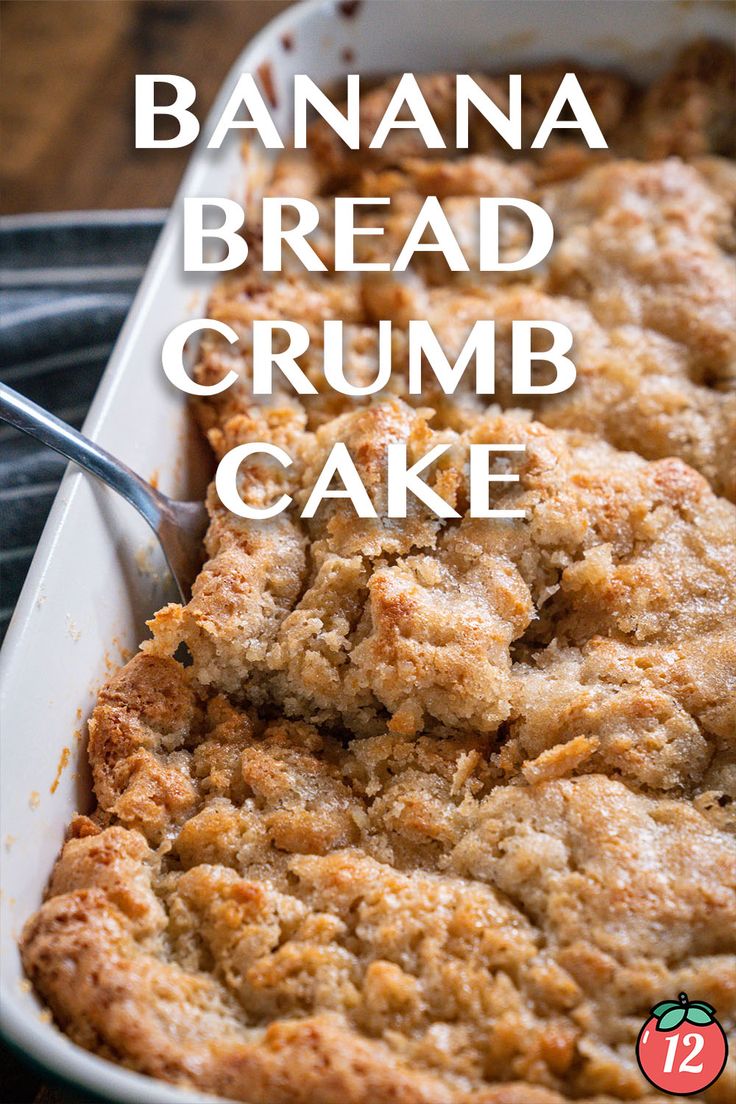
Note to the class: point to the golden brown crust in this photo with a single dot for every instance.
(439, 810)
(691, 110)
(642, 271)
(388, 908)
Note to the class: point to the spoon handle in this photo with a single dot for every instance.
(39, 423)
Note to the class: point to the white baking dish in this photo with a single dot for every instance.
(96, 576)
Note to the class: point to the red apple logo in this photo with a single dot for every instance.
(682, 1048)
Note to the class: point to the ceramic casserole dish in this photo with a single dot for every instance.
(97, 575)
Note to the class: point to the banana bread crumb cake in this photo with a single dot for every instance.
(440, 809)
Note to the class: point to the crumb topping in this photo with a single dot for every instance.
(440, 808)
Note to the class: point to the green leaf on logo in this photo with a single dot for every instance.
(704, 1005)
(664, 1006)
(698, 1015)
(671, 1019)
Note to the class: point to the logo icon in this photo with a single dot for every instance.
(682, 1048)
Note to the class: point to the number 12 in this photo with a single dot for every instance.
(692, 1037)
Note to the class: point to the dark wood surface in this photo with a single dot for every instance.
(67, 73)
(66, 94)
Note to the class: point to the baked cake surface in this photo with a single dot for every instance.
(439, 810)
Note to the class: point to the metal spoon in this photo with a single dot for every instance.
(179, 526)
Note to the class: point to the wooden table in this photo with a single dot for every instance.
(66, 114)
(66, 105)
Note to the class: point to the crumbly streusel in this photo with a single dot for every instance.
(440, 809)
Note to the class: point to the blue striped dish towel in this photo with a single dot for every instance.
(66, 283)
